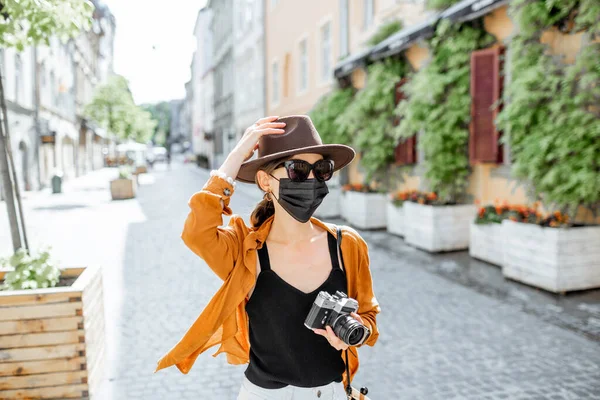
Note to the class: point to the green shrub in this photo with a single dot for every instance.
(325, 113)
(438, 104)
(386, 30)
(370, 118)
(551, 109)
(30, 272)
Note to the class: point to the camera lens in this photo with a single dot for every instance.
(349, 330)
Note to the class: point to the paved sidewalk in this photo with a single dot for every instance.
(440, 337)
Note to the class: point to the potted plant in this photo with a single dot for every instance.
(551, 252)
(364, 207)
(487, 234)
(395, 211)
(52, 336)
(437, 106)
(435, 225)
(124, 187)
(554, 149)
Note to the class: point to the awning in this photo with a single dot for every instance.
(404, 39)
(350, 63)
(468, 10)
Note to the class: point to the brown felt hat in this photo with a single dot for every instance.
(300, 136)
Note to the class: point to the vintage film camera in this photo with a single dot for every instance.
(334, 310)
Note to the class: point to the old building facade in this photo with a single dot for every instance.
(47, 88)
(203, 87)
(249, 61)
(224, 77)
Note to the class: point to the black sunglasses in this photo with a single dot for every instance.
(299, 170)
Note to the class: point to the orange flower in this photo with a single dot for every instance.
(557, 214)
(513, 219)
(421, 201)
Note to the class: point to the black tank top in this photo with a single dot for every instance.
(282, 350)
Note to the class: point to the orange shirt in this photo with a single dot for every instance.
(231, 253)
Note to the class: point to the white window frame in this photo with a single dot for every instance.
(275, 89)
(300, 42)
(18, 66)
(344, 26)
(324, 80)
(368, 13)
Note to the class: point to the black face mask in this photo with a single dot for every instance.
(301, 199)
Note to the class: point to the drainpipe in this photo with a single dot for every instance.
(36, 116)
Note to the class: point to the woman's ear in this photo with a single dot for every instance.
(262, 178)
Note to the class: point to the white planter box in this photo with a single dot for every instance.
(395, 219)
(438, 228)
(555, 259)
(330, 207)
(364, 210)
(487, 242)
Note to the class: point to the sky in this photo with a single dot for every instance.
(154, 45)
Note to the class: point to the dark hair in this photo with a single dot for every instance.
(265, 208)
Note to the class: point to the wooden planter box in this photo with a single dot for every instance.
(554, 259)
(122, 189)
(140, 169)
(330, 207)
(438, 228)
(395, 219)
(52, 340)
(365, 210)
(486, 243)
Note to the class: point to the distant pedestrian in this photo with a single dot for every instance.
(169, 159)
(272, 294)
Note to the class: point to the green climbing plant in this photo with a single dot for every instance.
(325, 113)
(386, 30)
(438, 105)
(551, 111)
(440, 4)
(369, 118)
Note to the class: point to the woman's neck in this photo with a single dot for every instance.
(286, 230)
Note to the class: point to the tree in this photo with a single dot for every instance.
(113, 108)
(28, 23)
(161, 113)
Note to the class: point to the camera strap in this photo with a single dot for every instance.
(341, 257)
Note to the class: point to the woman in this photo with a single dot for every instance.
(273, 271)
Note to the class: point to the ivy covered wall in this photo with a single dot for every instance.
(551, 111)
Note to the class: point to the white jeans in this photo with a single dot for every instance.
(332, 391)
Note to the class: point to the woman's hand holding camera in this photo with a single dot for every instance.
(333, 340)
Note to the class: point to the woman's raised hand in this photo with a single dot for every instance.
(264, 126)
(244, 149)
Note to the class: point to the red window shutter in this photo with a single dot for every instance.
(405, 152)
(486, 90)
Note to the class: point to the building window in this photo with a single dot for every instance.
(326, 52)
(344, 33)
(369, 12)
(53, 100)
(18, 77)
(286, 74)
(275, 94)
(303, 68)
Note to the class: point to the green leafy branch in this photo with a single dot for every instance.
(438, 105)
(29, 272)
(551, 109)
(370, 118)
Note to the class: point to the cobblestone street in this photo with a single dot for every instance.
(440, 338)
